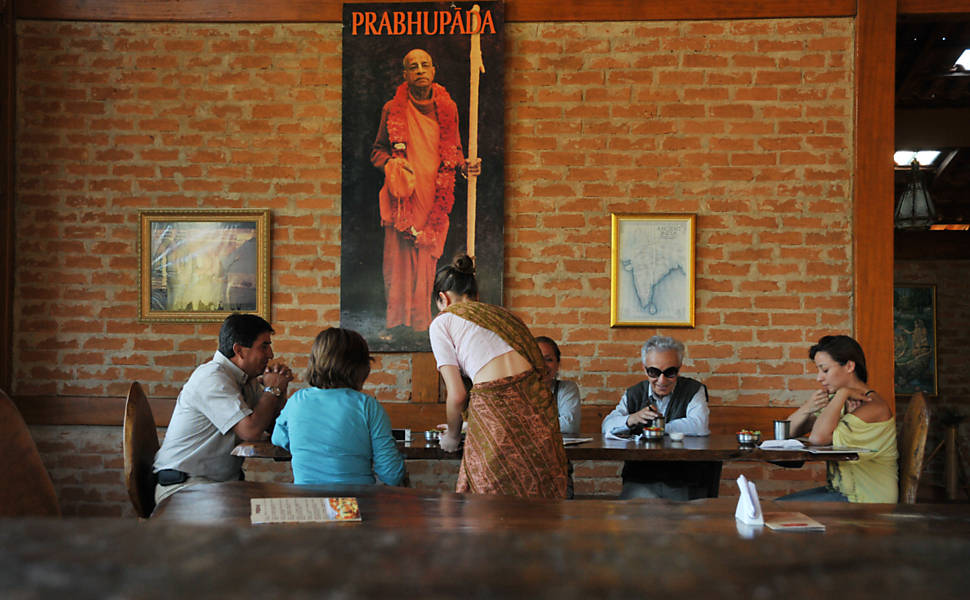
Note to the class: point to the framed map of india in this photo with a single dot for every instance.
(652, 270)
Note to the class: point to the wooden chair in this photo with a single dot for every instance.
(139, 447)
(912, 447)
(26, 489)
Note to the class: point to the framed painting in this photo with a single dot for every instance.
(652, 270)
(914, 337)
(197, 266)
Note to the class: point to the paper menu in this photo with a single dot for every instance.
(789, 444)
(749, 507)
(792, 521)
(303, 510)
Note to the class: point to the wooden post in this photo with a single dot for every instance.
(476, 67)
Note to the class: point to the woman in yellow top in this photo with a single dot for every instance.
(845, 411)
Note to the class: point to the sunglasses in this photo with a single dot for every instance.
(669, 372)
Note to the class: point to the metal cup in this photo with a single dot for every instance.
(658, 422)
(782, 430)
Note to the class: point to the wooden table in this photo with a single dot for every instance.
(719, 448)
(412, 544)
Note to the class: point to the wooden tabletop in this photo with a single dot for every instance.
(391, 507)
(420, 544)
(721, 448)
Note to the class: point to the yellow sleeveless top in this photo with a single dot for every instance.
(874, 477)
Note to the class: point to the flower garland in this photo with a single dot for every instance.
(450, 158)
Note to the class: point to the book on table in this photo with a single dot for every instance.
(792, 521)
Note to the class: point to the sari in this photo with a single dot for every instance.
(513, 446)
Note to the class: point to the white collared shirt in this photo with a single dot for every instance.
(200, 435)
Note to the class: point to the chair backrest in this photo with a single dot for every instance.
(26, 489)
(139, 447)
(912, 447)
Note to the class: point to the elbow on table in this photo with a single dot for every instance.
(820, 439)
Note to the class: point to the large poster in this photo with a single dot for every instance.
(409, 70)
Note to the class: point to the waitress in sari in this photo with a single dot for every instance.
(512, 445)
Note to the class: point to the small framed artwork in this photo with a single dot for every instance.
(652, 270)
(914, 337)
(202, 265)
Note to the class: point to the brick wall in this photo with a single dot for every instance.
(952, 281)
(746, 123)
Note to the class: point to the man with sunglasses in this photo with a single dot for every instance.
(682, 402)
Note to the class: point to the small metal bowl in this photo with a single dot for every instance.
(749, 438)
(432, 435)
(653, 434)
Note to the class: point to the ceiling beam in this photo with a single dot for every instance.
(932, 245)
(932, 128)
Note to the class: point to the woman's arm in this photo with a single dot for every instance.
(280, 435)
(827, 420)
(803, 418)
(388, 463)
(457, 397)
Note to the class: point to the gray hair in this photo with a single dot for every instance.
(660, 343)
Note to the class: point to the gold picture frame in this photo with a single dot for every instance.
(197, 266)
(652, 270)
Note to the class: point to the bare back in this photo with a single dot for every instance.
(504, 365)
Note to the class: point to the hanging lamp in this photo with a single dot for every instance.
(915, 207)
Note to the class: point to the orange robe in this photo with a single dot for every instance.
(412, 245)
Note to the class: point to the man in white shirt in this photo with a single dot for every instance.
(682, 402)
(234, 396)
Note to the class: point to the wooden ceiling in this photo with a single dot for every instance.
(933, 107)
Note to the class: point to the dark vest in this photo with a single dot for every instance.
(694, 473)
(638, 397)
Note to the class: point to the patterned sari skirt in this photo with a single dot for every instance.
(513, 446)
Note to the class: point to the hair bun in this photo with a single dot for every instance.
(464, 264)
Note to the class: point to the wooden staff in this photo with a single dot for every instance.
(477, 67)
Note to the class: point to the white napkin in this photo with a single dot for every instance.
(781, 445)
(749, 507)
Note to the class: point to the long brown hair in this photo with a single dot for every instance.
(339, 358)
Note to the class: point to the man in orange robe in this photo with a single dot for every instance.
(419, 150)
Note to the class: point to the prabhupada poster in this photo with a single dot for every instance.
(422, 161)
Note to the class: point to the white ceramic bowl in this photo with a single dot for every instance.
(676, 436)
